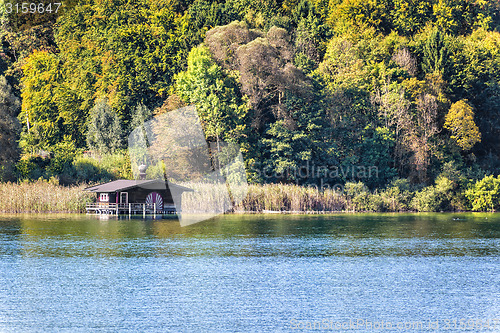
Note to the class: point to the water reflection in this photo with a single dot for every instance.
(245, 273)
(254, 235)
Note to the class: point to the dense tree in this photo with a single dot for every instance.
(219, 103)
(9, 127)
(350, 14)
(40, 116)
(460, 122)
(140, 115)
(311, 38)
(104, 133)
(375, 153)
(50, 107)
(341, 83)
(409, 17)
(295, 145)
(435, 55)
(127, 51)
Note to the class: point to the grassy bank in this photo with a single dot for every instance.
(42, 197)
(399, 196)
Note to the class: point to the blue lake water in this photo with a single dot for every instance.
(251, 273)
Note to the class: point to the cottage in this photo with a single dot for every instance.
(136, 197)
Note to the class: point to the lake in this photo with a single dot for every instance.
(251, 273)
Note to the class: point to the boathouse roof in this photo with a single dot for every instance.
(124, 184)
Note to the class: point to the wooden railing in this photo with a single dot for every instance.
(128, 208)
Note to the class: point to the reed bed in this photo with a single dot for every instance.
(42, 197)
(46, 197)
(262, 198)
(291, 198)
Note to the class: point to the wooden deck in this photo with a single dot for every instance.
(128, 209)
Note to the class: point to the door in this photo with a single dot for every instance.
(124, 197)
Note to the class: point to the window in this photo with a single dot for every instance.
(104, 197)
(123, 197)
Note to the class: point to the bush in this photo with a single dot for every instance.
(397, 196)
(31, 167)
(63, 154)
(117, 164)
(428, 199)
(61, 162)
(435, 198)
(359, 198)
(71, 168)
(376, 203)
(88, 170)
(484, 195)
(102, 168)
(7, 173)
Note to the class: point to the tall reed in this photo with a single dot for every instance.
(262, 198)
(42, 197)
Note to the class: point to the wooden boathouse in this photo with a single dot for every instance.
(136, 197)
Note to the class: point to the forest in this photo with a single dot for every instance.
(315, 92)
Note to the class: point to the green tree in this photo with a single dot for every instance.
(436, 54)
(455, 16)
(40, 116)
(351, 14)
(375, 151)
(141, 114)
(61, 163)
(220, 105)
(484, 195)
(204, 15)
(50, 107)
(300, 141)
(9, 128)
(127, 51)
(104, 130)
(311, 38)
(409, 17)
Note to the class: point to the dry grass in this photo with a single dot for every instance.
(42, 197)
(280, 197)
(262, 198)
(47, 197)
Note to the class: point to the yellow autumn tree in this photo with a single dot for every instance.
(460, 122)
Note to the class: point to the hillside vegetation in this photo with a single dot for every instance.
(317, 93)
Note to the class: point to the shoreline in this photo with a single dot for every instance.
(266, 212)
(43, 197)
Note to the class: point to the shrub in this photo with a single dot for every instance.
(484, 195)
(31, 167)
(436, 197)
(376, 203)
(358, 196)
(117, 164)
(397, 196)
(88, 170)
(427, 200)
